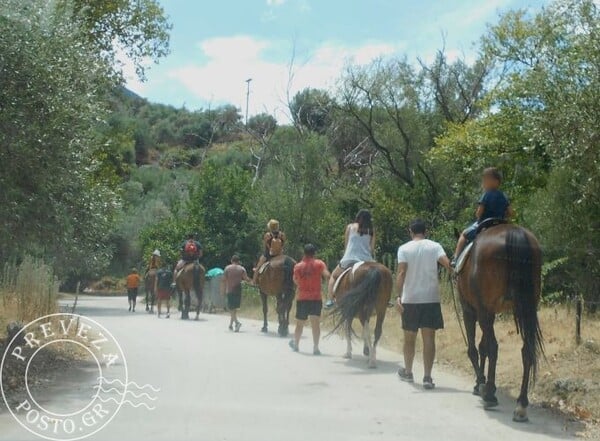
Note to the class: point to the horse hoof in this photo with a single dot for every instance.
(520, 416)
(366, 351)
(490, 403)
(264, 329)
(477, 391)
(348, 356)
(481, 390)
(372, 365)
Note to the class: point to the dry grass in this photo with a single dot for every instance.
(27, 291)
(568, 379)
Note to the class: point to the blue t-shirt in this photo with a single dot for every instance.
(165, 277)
(495, 203)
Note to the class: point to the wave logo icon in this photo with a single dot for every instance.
(132, 394)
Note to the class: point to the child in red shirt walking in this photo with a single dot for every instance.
(308, 276)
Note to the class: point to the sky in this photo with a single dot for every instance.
(217, 45)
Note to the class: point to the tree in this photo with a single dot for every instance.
(55, 201)
(401, 110)
(219, 210)
(551, 61)
(311, 109)
(262, 125)
(139, 28)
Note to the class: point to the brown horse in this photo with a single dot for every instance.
(502, 273)
(149, 284)
(276, 278)
(190, 277)
(359, 294)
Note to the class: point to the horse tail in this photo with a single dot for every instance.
(288, 276)
(360, 300)
(523, 290)
(197, 281)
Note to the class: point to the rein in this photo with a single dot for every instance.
(452, 279)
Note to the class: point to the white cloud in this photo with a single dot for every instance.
(275, 2)
(470, 14)
(129, 73)
(229, 61)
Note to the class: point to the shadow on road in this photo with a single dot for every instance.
(559, 427)
(360, 367)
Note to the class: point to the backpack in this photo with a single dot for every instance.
(190, 248)
(276, 244)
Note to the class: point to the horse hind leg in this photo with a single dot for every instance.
(185, 313)
(348, 354)
(491, 345)
(265, 310)
(199, 298)
(520, 413)
(378, 332)
(369, 347)
(470, 327)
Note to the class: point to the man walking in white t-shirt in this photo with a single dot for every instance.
(419, 298)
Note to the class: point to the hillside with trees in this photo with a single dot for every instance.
(404, 138)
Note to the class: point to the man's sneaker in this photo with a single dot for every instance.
(168, 315)
(329, 304)
(406, 376)
(238, 325)
(292, 344)
(231, 327)
(316, 351)
(428, 383)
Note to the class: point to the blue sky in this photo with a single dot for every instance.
(217, 45)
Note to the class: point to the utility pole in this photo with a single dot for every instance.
(247, 98)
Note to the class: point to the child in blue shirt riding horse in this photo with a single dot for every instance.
(493, 204)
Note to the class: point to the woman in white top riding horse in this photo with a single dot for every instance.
(359, 247)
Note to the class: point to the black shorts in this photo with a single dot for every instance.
(234, 299)
(305, 308)
(422, 315)
(132, 294)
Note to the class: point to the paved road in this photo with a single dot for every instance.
(217, 385)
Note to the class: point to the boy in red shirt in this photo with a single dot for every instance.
(308, 275)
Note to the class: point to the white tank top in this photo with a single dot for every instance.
(357, 250)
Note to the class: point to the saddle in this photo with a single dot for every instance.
(264, 266)
(352, 269)
(178, 271)
(489, 223)
(483, 225)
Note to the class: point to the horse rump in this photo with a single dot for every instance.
(358, 301)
